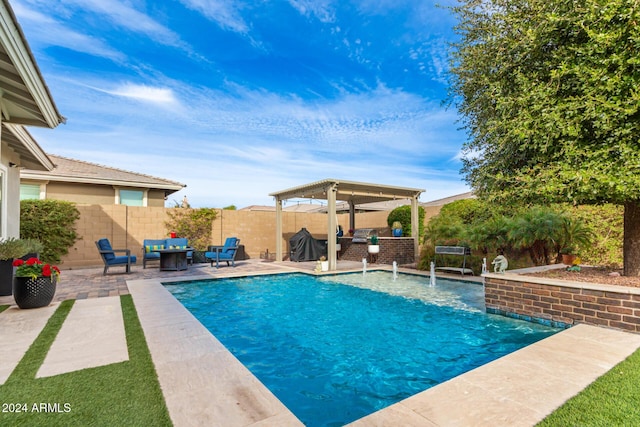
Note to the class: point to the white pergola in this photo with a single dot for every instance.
(355, 193)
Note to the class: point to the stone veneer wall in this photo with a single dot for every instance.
(562, 302)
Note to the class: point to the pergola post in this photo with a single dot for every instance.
(332, 226)
(415, 227)
(352, 215)
(278, 229)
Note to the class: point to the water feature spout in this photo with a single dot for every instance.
(364, 266)
(395, 270)
(432, 276)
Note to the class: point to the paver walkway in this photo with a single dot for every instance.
(18, 329)
(92, 335)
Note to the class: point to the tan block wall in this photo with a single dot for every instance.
(128, 226)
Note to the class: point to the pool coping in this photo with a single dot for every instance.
(519, 389)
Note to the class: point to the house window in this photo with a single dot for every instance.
(132, 197)
(29, 191)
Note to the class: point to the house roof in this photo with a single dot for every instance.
(26, 99)
(78, 171)
(445, 200)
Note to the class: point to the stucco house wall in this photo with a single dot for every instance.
(92, 194)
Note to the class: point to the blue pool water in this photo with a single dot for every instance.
(336, 348)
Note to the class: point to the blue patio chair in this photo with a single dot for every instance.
(223, 253)
(110, 259)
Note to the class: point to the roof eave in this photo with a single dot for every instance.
(15, 44)
(29, 174)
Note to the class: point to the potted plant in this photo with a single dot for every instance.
(374, 247)
(10, 249)
(568, 255)
(322, 264)
(34, 284)
(574, 234)
(396, 229)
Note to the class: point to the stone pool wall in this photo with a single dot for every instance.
(563, 303)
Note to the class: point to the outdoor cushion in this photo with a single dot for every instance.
(152, 248)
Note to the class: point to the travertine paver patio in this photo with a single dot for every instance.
(517, 390)
(92, 335)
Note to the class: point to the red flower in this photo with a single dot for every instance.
(32, 261)
(18, 262)
(46, 270)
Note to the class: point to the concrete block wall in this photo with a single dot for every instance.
(563, 302)
(128, 226)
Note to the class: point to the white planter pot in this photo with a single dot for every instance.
(374, 249)
(325, 265)
(338, 247)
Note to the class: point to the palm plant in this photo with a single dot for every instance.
(574, 234)
(538, 231)
(489, 235)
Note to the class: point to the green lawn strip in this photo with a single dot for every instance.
(611, 400)
(4, 307)
(125, 393)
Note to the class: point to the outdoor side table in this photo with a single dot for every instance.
(174, 259)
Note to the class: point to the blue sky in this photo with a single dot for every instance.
(238, 99)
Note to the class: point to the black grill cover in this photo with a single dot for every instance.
(305, 248)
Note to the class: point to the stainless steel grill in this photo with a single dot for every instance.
(362, 235)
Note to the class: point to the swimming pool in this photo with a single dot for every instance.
(336, 348)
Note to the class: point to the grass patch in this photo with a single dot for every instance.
(125, 393)
(611, 400)
(3, 308)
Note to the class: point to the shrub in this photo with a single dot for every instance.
(52, 222)
(402, 214)
(194, 224)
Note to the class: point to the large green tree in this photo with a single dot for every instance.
(549, 92)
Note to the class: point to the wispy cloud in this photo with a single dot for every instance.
(320, 9)
(42, 27)
(155, 95)
(118, 14)
(223, 12)
(125, 16)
